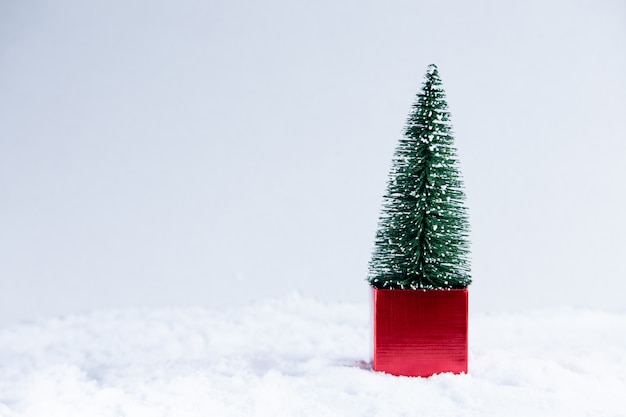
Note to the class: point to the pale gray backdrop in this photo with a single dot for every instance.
(157, 153)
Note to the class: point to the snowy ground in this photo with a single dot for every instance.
(297, 357)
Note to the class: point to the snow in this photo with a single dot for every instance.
(294, 356)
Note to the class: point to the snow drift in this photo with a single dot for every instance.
(298, 357)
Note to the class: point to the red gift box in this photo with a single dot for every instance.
(420, 332)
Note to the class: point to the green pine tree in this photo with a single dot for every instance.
(422, 239)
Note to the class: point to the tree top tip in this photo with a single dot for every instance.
(432, 68)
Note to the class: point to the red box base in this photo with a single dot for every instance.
(420, 333)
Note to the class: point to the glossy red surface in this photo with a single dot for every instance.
(420, 333)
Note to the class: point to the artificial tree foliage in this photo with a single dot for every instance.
(422, 238)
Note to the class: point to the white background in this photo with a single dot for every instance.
(212, 153)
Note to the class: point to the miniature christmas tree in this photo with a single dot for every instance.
(422, 239)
